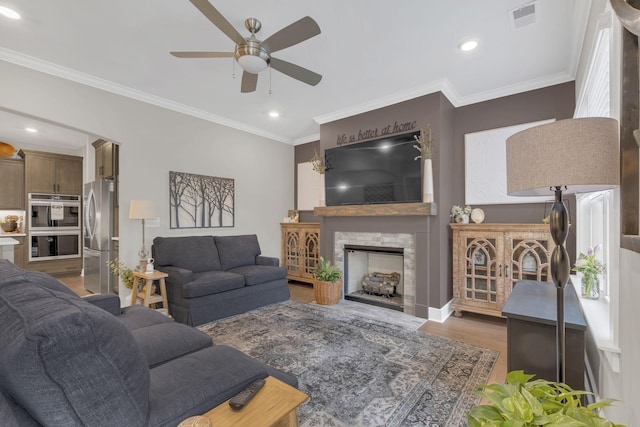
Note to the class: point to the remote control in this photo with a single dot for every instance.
(242, 398)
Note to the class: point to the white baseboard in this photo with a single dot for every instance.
(440, 314)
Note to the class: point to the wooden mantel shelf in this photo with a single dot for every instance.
(387, 209)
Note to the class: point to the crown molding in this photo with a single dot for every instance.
(439, 85)
(305, 139)
(36, 64)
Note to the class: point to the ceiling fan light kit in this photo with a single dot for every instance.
(254, 55)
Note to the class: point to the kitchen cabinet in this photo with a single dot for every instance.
(300, 249)
(106, 154)
(12, 180)
(488, 259)
(51, 173)
(19, 251)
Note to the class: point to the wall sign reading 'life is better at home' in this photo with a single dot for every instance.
(376, 132)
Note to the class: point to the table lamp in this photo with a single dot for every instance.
(571, 156)
(143, 209)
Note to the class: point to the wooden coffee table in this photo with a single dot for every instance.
(276, 404)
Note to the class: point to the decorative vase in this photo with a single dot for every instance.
(327, 293)
(590, 286)
(427, 182)
(461, 219)
(322, 201)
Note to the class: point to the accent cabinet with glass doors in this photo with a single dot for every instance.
(300, 249)
(488, 260)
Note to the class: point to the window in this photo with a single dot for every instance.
(598, 217)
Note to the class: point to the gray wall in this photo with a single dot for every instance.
(156, 140)
(449, 125)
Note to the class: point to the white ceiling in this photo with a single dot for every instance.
(371, 53)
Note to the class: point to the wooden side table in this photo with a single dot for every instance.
(147, 298)
(275, 405)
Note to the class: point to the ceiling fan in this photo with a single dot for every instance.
(254, 55)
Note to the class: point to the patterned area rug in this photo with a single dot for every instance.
(358, 371)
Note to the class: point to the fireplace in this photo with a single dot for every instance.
(374, 275)
(358, 254)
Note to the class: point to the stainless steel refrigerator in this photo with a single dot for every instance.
(98, 230)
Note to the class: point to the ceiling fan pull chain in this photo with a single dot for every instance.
(269, 80)
(233, 74)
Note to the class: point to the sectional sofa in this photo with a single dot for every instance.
(72, 361)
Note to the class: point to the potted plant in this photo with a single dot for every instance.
(123, 271)
(591, 269)
(460, 214)
(327, 286)
(525, 403)
(425, 147)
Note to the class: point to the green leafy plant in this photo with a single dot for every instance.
(325, 272)
(525, 403)
(121, 269)
(587, 263)
(460, 210)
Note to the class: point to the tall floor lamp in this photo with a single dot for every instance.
(567, 156)
(143, 209)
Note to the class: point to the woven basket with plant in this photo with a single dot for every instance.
(327, 286)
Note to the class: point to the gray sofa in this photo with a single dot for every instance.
(215, 277)
(71, 361)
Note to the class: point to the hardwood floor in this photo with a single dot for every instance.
(483, 331)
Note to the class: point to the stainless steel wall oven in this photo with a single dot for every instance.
(54, 222)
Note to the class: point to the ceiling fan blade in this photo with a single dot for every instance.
(293, 34)
(202, 54)
(296, 71)
(218, 20)
(249, 82)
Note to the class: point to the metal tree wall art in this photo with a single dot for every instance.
(200, 201)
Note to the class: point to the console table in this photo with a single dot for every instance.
(531, 332)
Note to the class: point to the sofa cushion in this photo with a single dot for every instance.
(137, 316)
(68, 362)
(257, 274)
(207, 378)
(195, 253)
(236, 251)
(12, 415)
(166, 341)
(11, 273)
(212, 282)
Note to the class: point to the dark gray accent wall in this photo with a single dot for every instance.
(449, 125)
(553, 102)
(303, 154)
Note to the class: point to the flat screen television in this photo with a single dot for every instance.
(377, 171)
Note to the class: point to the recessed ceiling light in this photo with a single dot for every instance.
(274, 114)
(9, 13)
(32, 130)
(467, 45)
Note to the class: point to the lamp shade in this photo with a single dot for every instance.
(581, 154)
(142, 209)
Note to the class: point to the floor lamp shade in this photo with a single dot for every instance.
(579, 154)
(574, 156)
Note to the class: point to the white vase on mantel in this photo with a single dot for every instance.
(322, 202)
(427, 182)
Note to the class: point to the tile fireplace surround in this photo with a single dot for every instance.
(384, 240)
(400, 225)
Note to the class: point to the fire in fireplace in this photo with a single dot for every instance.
(374, 275)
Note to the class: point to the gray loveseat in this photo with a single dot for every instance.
(215, 277)
(71, 361)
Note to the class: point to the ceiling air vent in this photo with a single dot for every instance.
(522, 16)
